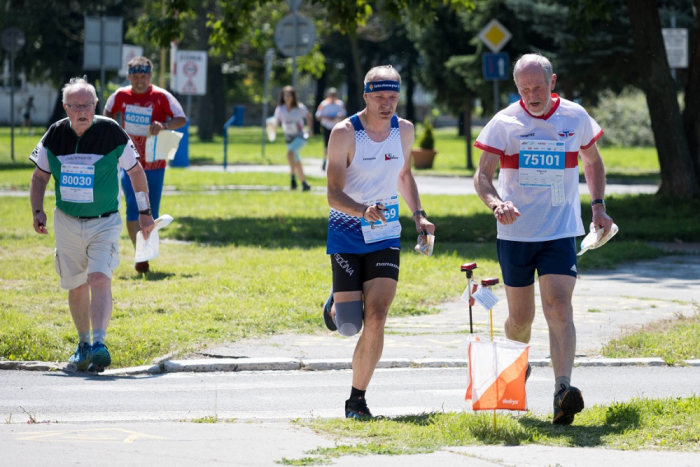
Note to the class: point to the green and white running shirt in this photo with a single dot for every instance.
(85, 168)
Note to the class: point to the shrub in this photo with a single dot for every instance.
(624, 118)
(427, 139)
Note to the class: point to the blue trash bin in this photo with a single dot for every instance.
(238, 114)
(182, 157)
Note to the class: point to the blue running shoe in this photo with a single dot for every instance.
(81, 357)
(99, 358)
(356, 407)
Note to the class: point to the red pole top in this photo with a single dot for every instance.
(489, 282)
(468, 267)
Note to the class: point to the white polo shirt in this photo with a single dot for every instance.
(547, 212)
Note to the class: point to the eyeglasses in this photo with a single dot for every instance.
(80, 107)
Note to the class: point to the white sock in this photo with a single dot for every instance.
(99, 335)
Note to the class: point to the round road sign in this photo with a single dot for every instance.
(189, 69)
(12, 39)
(295, 25)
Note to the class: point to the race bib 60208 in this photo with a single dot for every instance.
(137, 120)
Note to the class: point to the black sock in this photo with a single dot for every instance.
(357, 393)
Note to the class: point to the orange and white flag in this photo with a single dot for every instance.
(496, 376)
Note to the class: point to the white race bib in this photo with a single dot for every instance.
(378, 231)
(541, 163)
(137, 120)
(76, 183)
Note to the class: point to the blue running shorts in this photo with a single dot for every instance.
(519, 260)
(155, 190)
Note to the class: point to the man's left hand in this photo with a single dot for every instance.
(155, 128)
(147, 224)
(601, 220)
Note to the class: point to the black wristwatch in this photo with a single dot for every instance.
(145, 212)
(421, 212)
(598, 201)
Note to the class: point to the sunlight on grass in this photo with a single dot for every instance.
(639, 424)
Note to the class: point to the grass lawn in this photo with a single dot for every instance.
(656, 424)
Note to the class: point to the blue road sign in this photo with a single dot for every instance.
(495, 66)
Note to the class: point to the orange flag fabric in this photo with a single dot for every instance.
(496, 376)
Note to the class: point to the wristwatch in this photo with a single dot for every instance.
(421, 212)
(145, 212)
(598, 201)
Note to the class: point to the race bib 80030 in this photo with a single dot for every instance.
(137, 120)
(76, 183)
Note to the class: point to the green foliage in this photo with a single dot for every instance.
(427, 139)
(624, 118)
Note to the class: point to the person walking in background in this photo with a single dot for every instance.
(292, 115)
(329, 112)
(27, 108)
(537, 142)
(83, 153)
(146, 110)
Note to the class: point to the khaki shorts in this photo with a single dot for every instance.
(84, 246)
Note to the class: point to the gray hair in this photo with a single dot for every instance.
(76, 84)
(527, 59)
(382, 72)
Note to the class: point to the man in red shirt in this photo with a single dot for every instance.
(145, 110)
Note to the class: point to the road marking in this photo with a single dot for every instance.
(93, 435)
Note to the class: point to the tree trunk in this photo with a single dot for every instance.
(205, 122)
(320, 95)
(352, 65)
(677, 171)
(691, 112)
(468, 129)
(410, 88)
(358, 76)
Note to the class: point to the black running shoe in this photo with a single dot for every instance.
(527, 372)
(356, 407)
(567, 403)
(294, 183)
(305, 186)
(327, 318)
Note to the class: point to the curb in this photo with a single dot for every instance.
(296, 364)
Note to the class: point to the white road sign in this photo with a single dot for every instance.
(676, 42)
(190, 72)
(129, 52)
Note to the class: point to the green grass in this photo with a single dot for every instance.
(246, 264)
(673, 340)
(655, 424)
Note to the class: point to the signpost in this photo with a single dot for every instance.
(676, 43)
(103, 46)
(12, 41)
(129, 52)
(295, 35)
(495, 65)
(190, 74)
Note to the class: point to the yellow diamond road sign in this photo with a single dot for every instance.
(495, 36)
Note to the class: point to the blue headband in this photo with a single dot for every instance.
(139, 69)
(384, 85)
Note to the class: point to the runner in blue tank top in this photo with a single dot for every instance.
(369, 163)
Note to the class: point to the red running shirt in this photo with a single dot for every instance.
(139, 111)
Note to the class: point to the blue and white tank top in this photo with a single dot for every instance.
(373, 174)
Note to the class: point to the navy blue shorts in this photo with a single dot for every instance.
(155, 180)
(519, 260)
(351, 271)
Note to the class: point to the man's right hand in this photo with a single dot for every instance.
(40, 223)
(506, 213)
(373, 213)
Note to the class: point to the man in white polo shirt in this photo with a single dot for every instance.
(537, 142)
